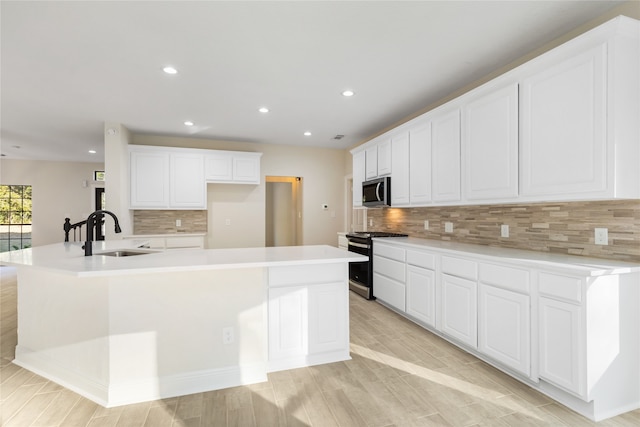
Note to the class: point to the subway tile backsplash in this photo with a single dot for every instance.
(164, 222)
(566, 227)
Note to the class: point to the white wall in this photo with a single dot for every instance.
(323, 183)
(58, 193)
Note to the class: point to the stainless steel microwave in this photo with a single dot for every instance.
(376, 192)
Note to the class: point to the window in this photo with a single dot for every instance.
(15, 217)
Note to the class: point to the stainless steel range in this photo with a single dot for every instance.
(361, 273)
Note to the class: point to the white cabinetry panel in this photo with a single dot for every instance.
(219, 167)
(504, 327)
(371, 162)
(149, 175)
(187, 185)
(445, 143)
(288, 322)
(459, 309)
(490, 145)
(384, 157)
(421, 294)
(328, 315)
(420, 163)
(358, 177)
(399, 163)
(246, 169)
(563, 110)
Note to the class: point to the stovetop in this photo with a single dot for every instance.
(371, 234)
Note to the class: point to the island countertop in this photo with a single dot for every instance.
(68, 258)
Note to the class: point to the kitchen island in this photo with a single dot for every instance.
(154, 324)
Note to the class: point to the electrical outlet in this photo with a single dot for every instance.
(504, 230)
(178, 223)
(371, 223)
(227, 222)
(601, 236)
(228, 335)
(448, 227)
(426, 224)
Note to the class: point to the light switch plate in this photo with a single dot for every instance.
(504, 230)
(426, 224)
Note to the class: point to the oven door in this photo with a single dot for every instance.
(360, 272)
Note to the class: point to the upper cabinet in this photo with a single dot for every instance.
(176, 178)
(563, 126)
(445, 149)
(358, 177)
(490, 144)
(232, 167)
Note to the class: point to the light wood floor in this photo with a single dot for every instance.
(400, 375)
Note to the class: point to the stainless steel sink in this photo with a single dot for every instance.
(125, 252)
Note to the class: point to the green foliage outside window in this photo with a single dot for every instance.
(15, 217)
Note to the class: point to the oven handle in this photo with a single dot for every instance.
(359, 245)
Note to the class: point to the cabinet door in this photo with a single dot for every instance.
(358, 177)
(288, 322)
(400, 167)
(564, 127)
(328, 318)
(246, 169)
(149, 179)
(459, 309)
(445, 163)
(504, 327)
(421, 294)
(219, 167)
(371, 162)
(560, 344)
(420, 164)
(490, 141)
(187, 186)
(384, 157)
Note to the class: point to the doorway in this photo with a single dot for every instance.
(283, 216)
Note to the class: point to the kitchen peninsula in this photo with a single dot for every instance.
(154, 324)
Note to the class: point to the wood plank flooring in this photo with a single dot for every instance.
(400, 375)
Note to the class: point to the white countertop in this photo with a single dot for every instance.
(150, 236)
(583, 265)
(68, 258)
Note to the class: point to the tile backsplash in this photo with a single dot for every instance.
(566, 227)
(164, 222)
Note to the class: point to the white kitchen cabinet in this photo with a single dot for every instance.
(490, 144)
(504, 327)
(504, 318)
(149, 179)
(371, 161)
(445, 162)
(219, 166)
(166, 179)
(358, 177)
(232, 167)
(560, 344)
(308, 311)
(459, 309)
(564, 126)
(420, 163)
(399, 163)
(385, 157)
(389, 275)
(187, 188)
(421, 294)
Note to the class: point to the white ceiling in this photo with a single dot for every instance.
(67, 67)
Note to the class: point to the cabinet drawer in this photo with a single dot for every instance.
(421, 259)
(307, 274)
(460, 267)
(390, 268)
(388, 251)
(512, 279)
(184, 242)
(563, 287)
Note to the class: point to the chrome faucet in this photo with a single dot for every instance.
(91, 223)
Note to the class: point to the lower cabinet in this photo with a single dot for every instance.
(560, 333)
(459, 309)
(308, 311)
(389, 275)
(421, 294)
(504, 327)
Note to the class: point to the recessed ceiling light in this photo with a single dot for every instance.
(307, 133)
(348, 93)
(170, 70)
(92, 151)
(188, 123)
(263, 109)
